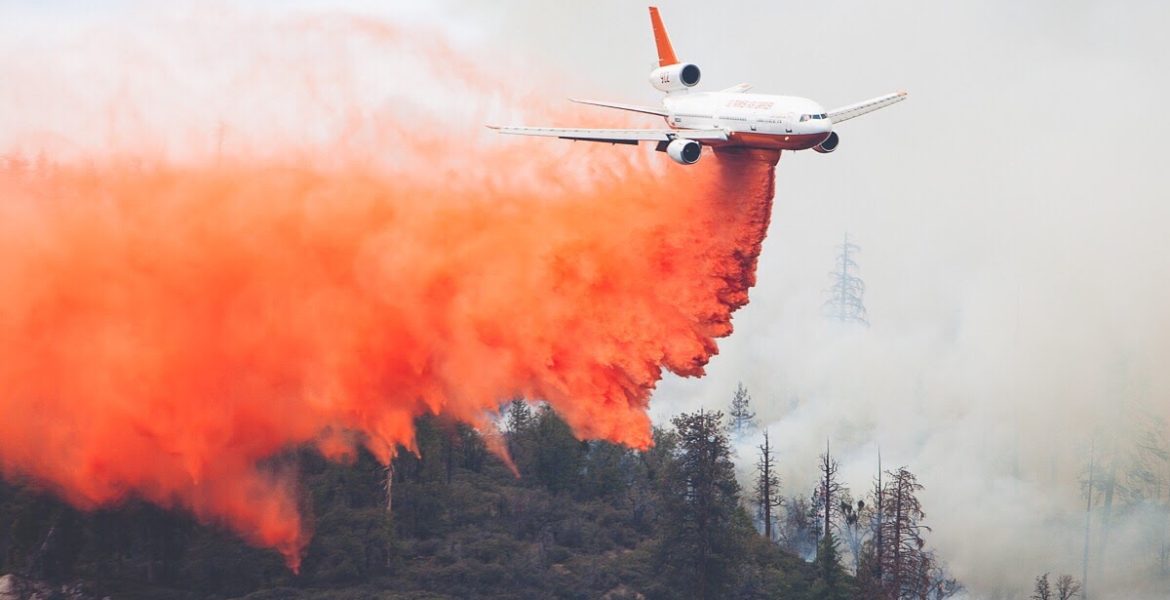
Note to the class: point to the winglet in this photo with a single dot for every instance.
(666, 55)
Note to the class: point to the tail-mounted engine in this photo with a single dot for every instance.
(829, 145)
(676, 77)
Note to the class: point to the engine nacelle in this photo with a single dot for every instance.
(675, 77)
(684, 152)
(829, 145)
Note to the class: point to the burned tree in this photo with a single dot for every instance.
(827, 500)
(904, 559)
(869, 570)
(895, 562)
(845, 294)
(939, 583)
(1088, 489)
(1067, 588)
(856, 529)
(1042, 590)
(767, 487)
(798, 532)
(828, 494)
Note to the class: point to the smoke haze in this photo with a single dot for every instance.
(1011, 215)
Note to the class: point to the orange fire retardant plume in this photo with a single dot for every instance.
(166, 326)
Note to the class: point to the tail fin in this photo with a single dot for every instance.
(666, 55)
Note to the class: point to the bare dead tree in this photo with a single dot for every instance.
(1042, 590)
(1067, 588)
(798, 530)
(940, 584)
(905, 558)
(1107, 481)
(845, 294)
(768, 496)
(828, 493)
(1088, 486)
(856, 529)
(879, 500)
(1148, 477)
(390, 485)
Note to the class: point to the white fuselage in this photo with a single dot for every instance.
(753, 120)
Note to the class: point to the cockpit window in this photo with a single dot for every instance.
(804, 118)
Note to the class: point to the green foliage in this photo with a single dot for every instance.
(703, 537)
(584, 520)
(831, 581)
(557, 463)
(740, 416)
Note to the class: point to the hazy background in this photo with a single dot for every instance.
(1012, 214)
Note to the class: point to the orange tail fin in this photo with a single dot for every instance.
(666, 55)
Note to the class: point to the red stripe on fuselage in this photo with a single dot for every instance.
(775, 141)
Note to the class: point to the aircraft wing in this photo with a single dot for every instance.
(856, 110)
(649, 110)
(618, 136)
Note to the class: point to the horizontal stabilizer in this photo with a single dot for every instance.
(737, 89)
(649, 110)
(856, 110)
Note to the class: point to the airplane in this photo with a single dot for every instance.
(724, 119)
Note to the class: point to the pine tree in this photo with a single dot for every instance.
(557, 462)
(831, 584)
(519, 417)
(701, 541)
(741, 416)
(767, 487)
(520, 423)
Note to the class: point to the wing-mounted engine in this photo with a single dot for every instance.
(684, 152)
(674, 78)
(829, 145)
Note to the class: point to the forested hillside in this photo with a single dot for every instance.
(584, 520)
